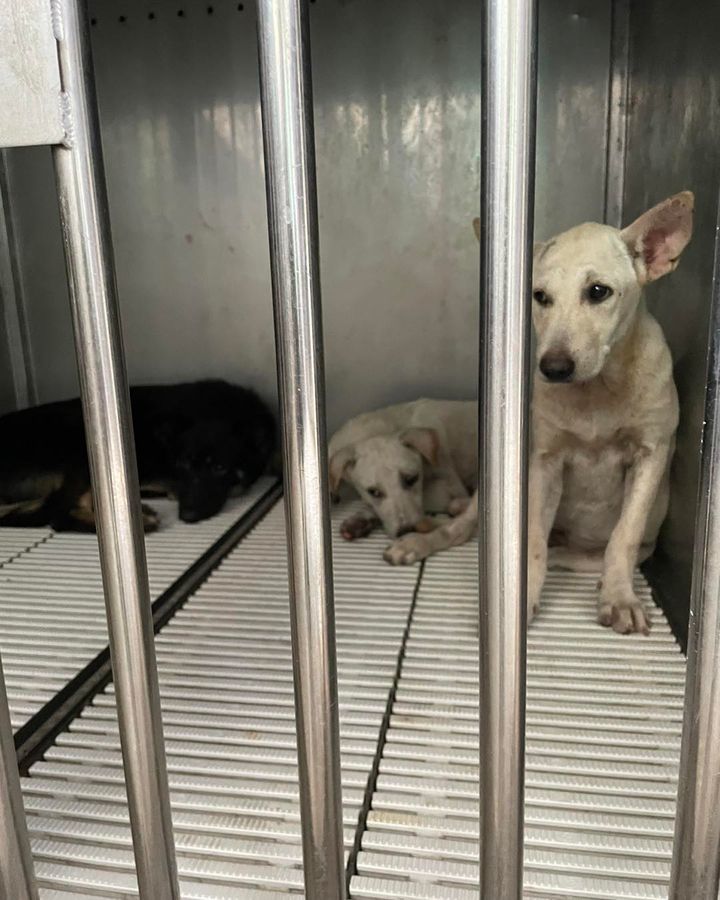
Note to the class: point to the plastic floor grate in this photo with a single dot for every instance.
(603, 729)
(52, 609)
(226, 686)
(604, 717)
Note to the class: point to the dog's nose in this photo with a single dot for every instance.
(404, 529)
(557, 366)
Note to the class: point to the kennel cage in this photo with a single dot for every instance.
(625, 117)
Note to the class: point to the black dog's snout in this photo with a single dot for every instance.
(557, 366)
(404, 529)
(191, 515)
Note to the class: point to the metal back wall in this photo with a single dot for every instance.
(674, 143)
(397, 128)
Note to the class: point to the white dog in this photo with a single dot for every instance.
(405, 461)
(604, 411)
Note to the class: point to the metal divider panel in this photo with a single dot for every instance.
(226, 685)
(52, 609)
(603, 739)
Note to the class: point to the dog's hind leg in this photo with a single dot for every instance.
(575, 560)
(458, 506)
(33, 514)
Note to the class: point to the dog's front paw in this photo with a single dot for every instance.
(409, 549)
(356, 527)
(151, 520)
(622, 611)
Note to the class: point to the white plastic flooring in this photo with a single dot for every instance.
(52, 610)
(604, 719)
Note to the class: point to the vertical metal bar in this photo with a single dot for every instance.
(617, 113)
(508, 154)
(696, 850)
(286, 93)
(21, 361)
(17, 878)
(85, 222)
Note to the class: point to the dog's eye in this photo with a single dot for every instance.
(409, 480)
(541, 297)
(218, 469)
(375, 493)
(596, 293)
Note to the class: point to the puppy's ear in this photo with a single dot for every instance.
(659, 236)
(166, 431)
(425, 440)
(340, 463)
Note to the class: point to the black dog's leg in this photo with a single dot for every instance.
(70, 508)
(31, 515)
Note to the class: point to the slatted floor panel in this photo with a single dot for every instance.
(226, 687)
(16, 541)
(604, 721)
(52, 612)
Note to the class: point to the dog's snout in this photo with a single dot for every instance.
(187, 514)
(557, 366)
(404, 529)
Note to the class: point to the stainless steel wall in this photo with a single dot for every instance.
(397, 125)
(674, 143)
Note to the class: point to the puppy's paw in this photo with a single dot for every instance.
(623, 612)
(151, 520)
(409, 549)
(458, 506)
(356, 527)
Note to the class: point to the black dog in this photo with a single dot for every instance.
(196, 442)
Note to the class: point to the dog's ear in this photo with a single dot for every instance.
(659, 236)
(425, 440)
(167, 430)
(340, 462)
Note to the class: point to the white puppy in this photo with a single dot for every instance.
(405, 461)
(604, 411)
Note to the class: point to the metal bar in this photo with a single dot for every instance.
(508, 153)
(85, 222)
(21, 362)
(696, 850)
(17, 878)
(286, 94)
(617, 113)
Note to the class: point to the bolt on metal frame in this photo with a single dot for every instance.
(286, 94)
(508, 164)
(696, 848)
